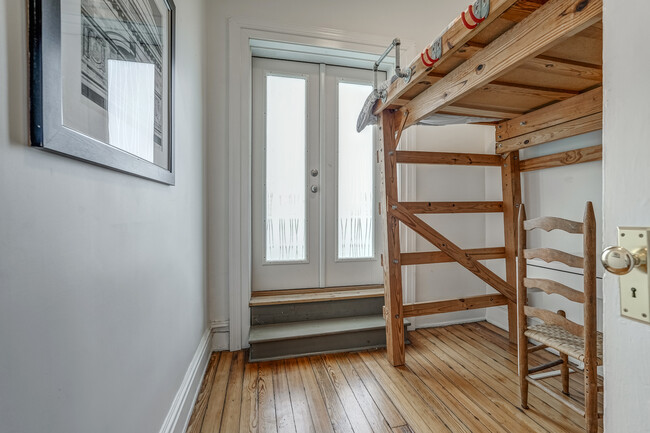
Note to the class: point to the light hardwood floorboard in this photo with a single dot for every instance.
(460, 378)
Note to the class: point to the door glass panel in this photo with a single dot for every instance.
(355, 176)
(285, 168)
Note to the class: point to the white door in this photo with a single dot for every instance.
(315, 213)
(626, 202)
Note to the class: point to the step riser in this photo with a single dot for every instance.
(285, 313)
(350, 341)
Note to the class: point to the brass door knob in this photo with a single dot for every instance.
(620, 261)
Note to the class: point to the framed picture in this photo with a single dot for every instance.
(101, 87)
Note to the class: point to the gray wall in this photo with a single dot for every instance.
(102, 275)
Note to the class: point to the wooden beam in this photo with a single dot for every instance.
(436, 207)
(452, 250)
(429, 257)
(447, 158)
(578, 156)
(587, 103)
(549, 65)
(390, 122)
(511, 191)
(567, 68)
(453, 39)
(459, 110)
(593, 122)
(425, 308)
(550, 24)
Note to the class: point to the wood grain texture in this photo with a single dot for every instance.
(373, 291)
(552, 255)
(214, 411)
(554, 223)
(581, 105)
(439, 241)
(392, 269)
(511, 194)
(471, 303)
(552, 318)
(441, 207)
(201, 404)
(453, 39)
(460, 378)
(550, 24)
(422, 258)
(233, 403)
(593, 122)
(447, 158)
(570, 157)
(550, 287)
(590, 320)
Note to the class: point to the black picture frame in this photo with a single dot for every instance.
(47, 131)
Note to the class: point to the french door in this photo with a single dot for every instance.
(314, 190)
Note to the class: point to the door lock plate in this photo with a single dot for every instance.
(635, 292)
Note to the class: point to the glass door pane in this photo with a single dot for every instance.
(285, 219)
(355, 222)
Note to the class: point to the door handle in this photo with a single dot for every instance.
(621, 261)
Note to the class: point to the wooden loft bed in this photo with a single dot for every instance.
(534, 64)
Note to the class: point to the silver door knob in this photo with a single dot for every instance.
(314, 188)
(620, 261)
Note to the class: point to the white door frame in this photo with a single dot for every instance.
(240, 31)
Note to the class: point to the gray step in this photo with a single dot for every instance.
(285, 340)
(301, 312)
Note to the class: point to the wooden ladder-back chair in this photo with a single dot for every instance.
(583, 343)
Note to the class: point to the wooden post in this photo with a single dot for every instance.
(591, 366)
(511, 187)
(393, 304)
(522, 295)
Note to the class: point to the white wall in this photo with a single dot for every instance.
(562, 192)
(364, 16)
(626, 203)
(102, 274)
(451, 183)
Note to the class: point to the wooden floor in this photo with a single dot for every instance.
(459, 378)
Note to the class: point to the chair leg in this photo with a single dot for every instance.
(591, 398)
(565, 373)
(523, 369)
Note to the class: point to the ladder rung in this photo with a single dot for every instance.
(429, 257)
(447, 158)
(422, 207)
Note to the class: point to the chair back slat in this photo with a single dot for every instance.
(552, 318)
(552, 255)
(554, 223)
(550, 287)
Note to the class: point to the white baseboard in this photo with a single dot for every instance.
(220, 335)
(181, 408)
(498, 316)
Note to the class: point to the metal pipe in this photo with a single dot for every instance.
(398, 71)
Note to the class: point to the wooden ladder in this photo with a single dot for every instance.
(391, 125)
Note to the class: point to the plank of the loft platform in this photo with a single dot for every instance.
(549, 25)
(453, 39)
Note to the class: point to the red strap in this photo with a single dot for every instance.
(427, 64)
(432, 60)
(471, 14)
(462, 16)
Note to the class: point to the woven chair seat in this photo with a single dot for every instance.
(563, 341)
